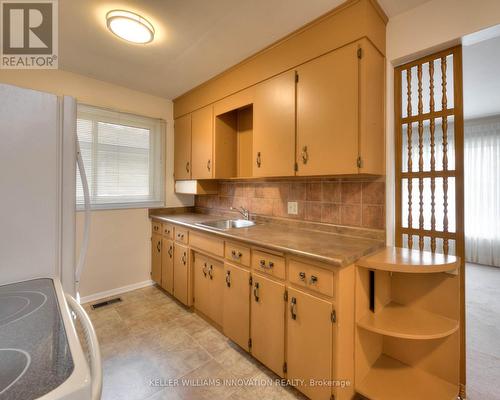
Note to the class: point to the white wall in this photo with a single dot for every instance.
(119, 249)
(433, 26)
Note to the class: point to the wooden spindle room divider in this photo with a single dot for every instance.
(429, 161)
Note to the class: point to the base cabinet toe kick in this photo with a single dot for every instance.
(294, 315)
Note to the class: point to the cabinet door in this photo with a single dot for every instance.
(274, 127)
(181, 274)
(236, 318)
(309, 342)
(182, 147)
(371, 113)
(167, 265)
(327, 114)
(268, 323)
(202, 143)
(156, 258)
(216, 291)
(201, 284)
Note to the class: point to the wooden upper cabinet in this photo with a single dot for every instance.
(327, 114)
(202, 143)
(182, 147)
(274, 127)
(371, 110)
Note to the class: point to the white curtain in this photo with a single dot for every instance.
(482, 191)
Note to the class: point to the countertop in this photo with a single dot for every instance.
(332, 248)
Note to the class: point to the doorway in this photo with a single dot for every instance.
(481, 87)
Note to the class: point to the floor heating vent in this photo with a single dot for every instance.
(106, 303)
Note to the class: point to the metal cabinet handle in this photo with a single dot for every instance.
(313, 280)
(211, 272)
(155, 228)
(236, 255)
(305, 155)
(293, 308)
(184, 258)
(204, 269)
(269, 265)
(259, 160)
(228, 278)
(170, 251)
(302, 275)
(158, 246)
(187, 166)
(256, 291)
(208, 165)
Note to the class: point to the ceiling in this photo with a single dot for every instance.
(195, 39)
(481, 78)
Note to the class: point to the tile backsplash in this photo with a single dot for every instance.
(350, 202)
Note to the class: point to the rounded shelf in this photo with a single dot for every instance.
(390, 379)
(405, 322)
(397, 259)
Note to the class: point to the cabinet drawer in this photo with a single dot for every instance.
(168, 231)
(311, 277)
(207, 243)
(156, 226)
(238, 253)
(268, 263)
(181, 235)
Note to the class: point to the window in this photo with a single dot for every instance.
(123, 158)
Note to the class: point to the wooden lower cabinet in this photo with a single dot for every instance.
(310, 343)
(182, 274)
(282, 322)
(209, 287)
(156, 242)
(267, 321)
(200, 275)
(236, 310)
(167, 265)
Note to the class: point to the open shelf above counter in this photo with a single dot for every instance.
(396, 259)
(405, 322)
(390, 379)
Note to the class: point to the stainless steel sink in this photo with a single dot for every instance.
(225, 224)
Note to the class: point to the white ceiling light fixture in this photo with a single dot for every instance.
(130, 26)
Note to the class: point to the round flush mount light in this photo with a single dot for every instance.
(130, 26)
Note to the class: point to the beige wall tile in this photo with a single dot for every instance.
(350, 215)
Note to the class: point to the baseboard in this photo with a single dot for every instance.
(112, 292)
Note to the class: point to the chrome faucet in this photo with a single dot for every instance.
(243, 211)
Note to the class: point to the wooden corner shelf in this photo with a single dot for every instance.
(396, 259)
(390, 379)
(405, 322)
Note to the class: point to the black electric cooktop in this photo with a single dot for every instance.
(35, 357)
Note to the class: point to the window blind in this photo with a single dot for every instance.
(123, 158)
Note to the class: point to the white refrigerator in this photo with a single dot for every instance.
(38, 272)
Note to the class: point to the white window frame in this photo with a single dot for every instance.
(157, 133)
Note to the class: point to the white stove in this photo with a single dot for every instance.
(40, 354)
